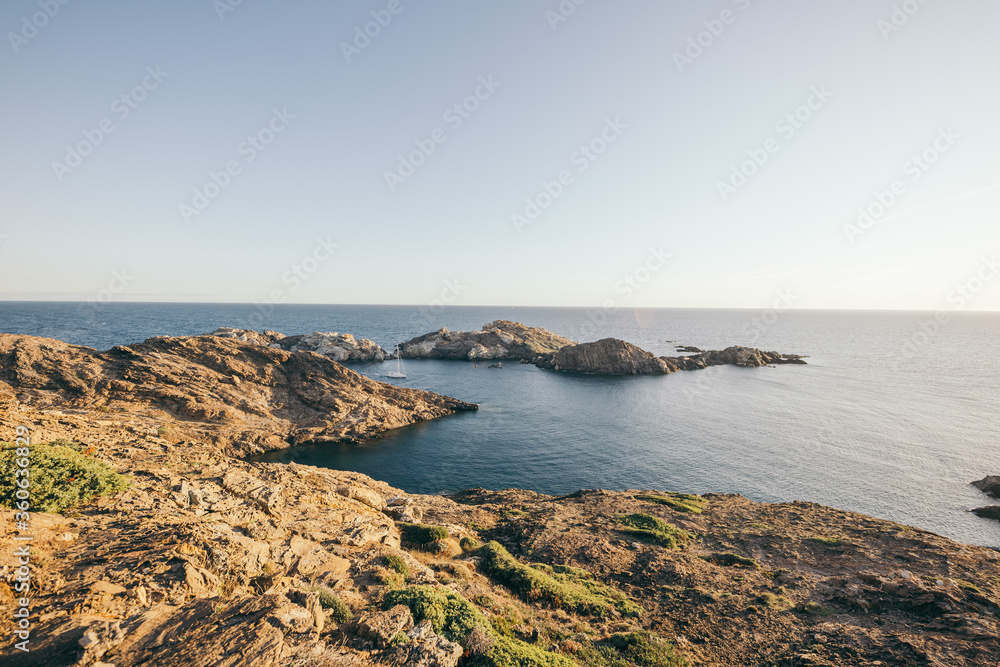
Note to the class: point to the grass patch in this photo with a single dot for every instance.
(968, 586)
(652, 529)
(422, 535)
(730, 560)
(816, 609)
(396, 563)
(454, 618)
(469, 544)
(682, 502)
(560, 586)
(60, 476)
(826, 541)
(777, 602)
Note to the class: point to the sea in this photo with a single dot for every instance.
(893, 416)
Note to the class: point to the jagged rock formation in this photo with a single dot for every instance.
(339, 347)
(611, 356)
(500, 340)
(990, 485)
(246, 397)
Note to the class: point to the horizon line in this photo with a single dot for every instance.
(456, 306)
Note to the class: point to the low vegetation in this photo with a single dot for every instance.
(397, 564)
(420, 535)
(559, 586)
(458, 620)
(60, 476)
(638, 649)
(651, 529)
(682, 502)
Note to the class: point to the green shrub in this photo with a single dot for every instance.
(420, 535)
(648, 650)
(470, 544)
(396, 563)
(339, 612)
(60, 477)
(454, 617)
(390, 578)
(682, 502)
(561, 586)
(507, 652)
(654, 530)
(640, 649)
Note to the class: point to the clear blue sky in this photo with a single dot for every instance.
(673, 130)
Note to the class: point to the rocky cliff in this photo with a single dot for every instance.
(611, 356)
(501, 340)
(208, 560)
(243, 396)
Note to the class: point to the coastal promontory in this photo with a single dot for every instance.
(159, 546)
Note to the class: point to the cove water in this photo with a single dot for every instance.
(890, 417)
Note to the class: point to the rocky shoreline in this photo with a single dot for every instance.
(206, 559)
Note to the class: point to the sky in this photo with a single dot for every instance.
(717, 154)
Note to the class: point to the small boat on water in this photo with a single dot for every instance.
(400, 371)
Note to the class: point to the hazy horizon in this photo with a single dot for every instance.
(724, 154)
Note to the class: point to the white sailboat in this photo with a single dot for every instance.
(400, 372)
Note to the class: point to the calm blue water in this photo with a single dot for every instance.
(871, 424)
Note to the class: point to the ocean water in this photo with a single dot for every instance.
(890, 417)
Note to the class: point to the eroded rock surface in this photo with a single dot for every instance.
(501, 340)
(244, 396)
(337, 346)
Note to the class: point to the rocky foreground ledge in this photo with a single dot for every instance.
(209, 560)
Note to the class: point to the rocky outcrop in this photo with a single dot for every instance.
(246, 397)
(500, 340)
(988, 512)
(990, 485)
(611, 356)
(337, 346)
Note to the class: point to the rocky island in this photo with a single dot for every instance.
(162, 547)
(611, 356)
(499, 340)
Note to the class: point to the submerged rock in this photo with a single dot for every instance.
(501, 340)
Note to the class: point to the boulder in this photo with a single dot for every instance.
(381, 627)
